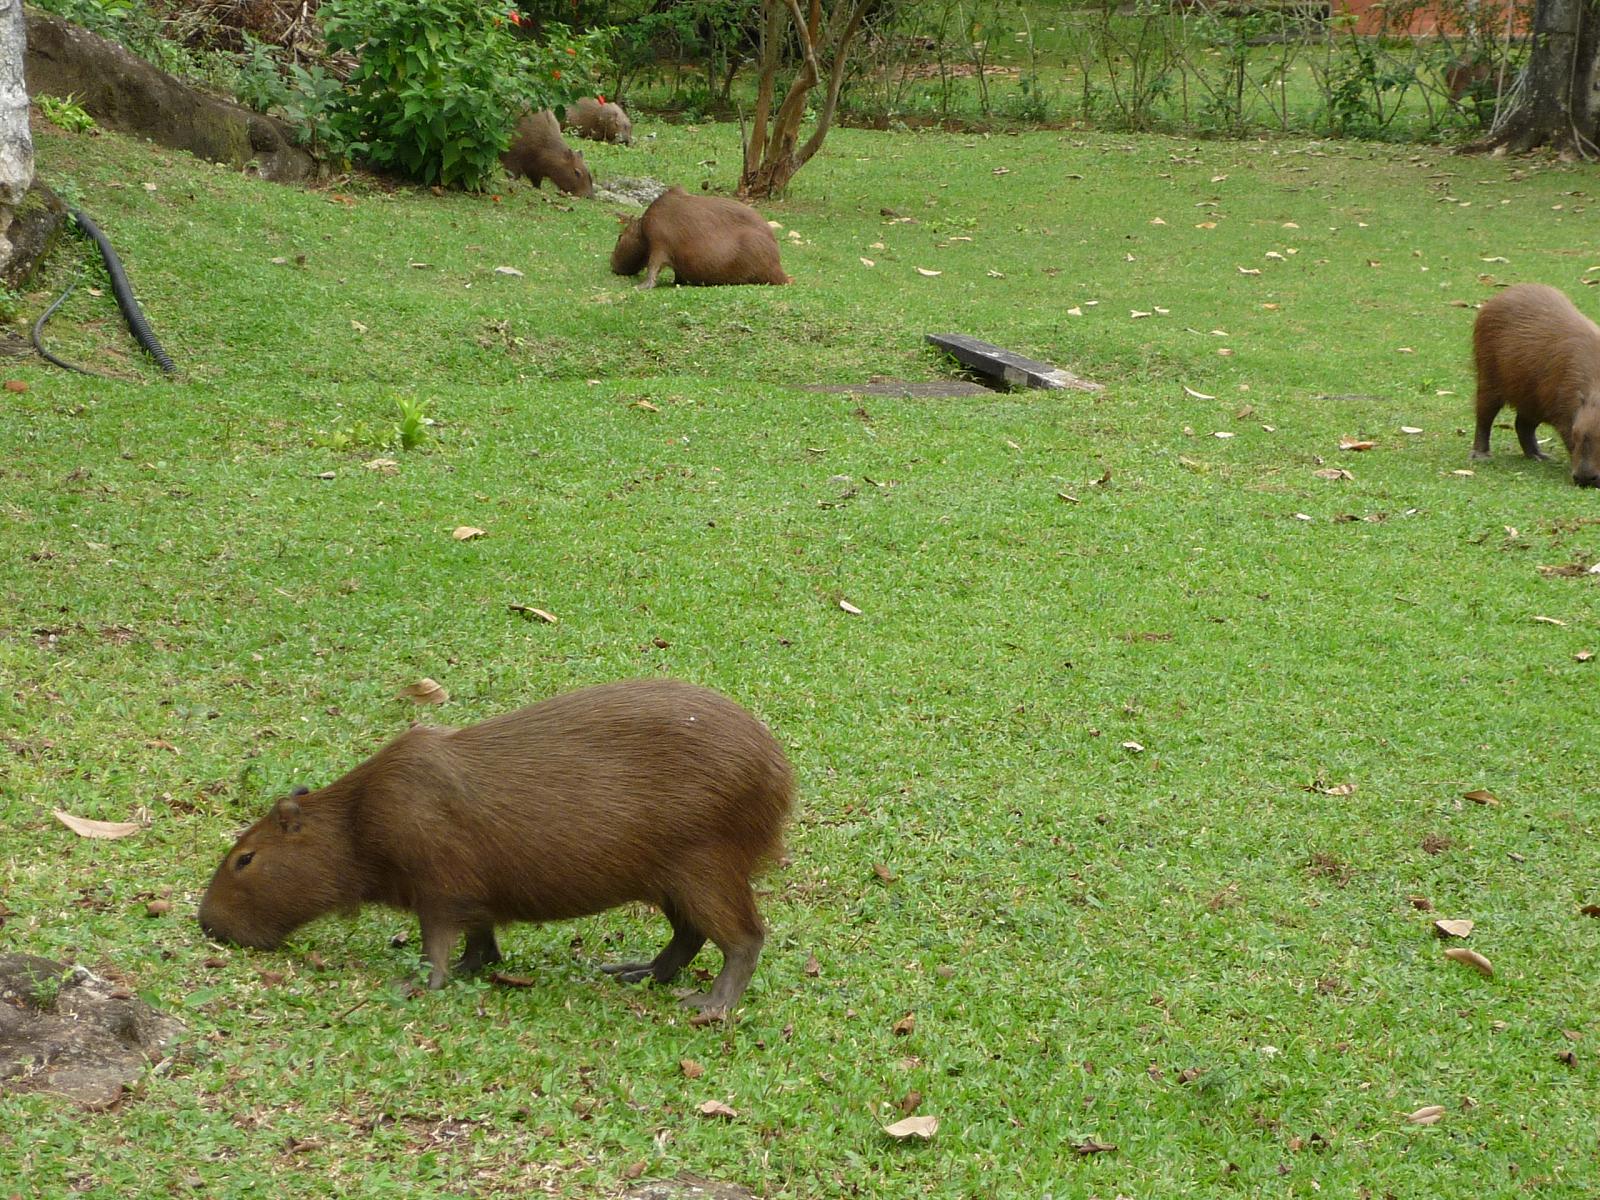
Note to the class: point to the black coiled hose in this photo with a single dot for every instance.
(120, 288)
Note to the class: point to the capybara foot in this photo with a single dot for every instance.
(1539, 456)
(480, 951)
(634, 972)
(1481, 455)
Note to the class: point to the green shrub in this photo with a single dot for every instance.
(440, 83)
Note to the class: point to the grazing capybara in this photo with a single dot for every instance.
(644, 790)
(1536, 352)
(538, 153)
(600, 120)
(704, 239)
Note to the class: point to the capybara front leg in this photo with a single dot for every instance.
(439, 934)
(652, 269)
(1480, 439)
(481, 950)
(1527, 434)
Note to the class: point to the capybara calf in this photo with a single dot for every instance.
(704, 239)
(1536, 352)
(647, 790)
(600, 120)
(538, 153)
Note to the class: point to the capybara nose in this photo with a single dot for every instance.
(1586, 479)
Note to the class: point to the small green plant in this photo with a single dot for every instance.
(413, 427)
(64, 112)
(11, 305)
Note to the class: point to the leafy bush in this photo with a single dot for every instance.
(440, 83)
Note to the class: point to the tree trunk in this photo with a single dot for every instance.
(1553, 103)
(771, 158)
(16, 142)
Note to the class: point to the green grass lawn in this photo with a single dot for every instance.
(209, 595)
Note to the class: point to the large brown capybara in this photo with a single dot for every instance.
(1537, 353)
(600, 120)
(704, 239)
(538, 153)
(644, 790)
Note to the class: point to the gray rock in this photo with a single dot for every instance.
(625, 190)
(686, 1187)
(67, 1031)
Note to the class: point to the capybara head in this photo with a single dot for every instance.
(289, 867)
(1585, 448)
(629, 254)
(571, 175)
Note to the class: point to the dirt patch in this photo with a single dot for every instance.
(67, 1031)
(936, 389)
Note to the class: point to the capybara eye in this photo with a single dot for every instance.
(243, 860)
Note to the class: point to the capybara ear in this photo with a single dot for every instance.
(289, 811)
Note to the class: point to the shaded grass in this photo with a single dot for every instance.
(180, 572)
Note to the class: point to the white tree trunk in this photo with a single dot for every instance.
(16, 143)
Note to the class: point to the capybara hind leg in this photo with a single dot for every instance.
(735, 926)
(439, 934)
(1480, 439)
(481, 950)
(1527, 434)
(664, 967)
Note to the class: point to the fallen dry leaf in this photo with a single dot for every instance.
(922, 1127)
(1472, 959)
(690, 1068)
(158, 908)
(102, 830)
(906, 1025)
(1452, 929)
(883, 872)
(505, 979)
(1333, 473)
(929, 274)
(645, 405)
(1090, 1146)
(424, 691)
(16, 385)
(467, 533)
(1197, 395)
(1421, 903)
(1480, 796)
(850, 608)
(1409, 429)
(1583, 656)
(1249, 270)
(716, 1108)
(1133, 747)
(387, 465)
(909, 1103)
(813, 968)
(1354, 444)
(1338, 789)
(1590, 910)
(527, 610)
(1428, 1114)
(867, 262)
(1550, 621)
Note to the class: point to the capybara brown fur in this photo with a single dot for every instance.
(538, 153)
(704, 239)
(643, 790)
(1537, 353)
(600, 120)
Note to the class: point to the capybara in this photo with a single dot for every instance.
(647, 790)
(600, 120)
(704, 239)
(1536, 352)
(538, 153)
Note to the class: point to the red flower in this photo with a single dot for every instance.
(555, 74)
(600, 98)
(572, 52)
(514, 17)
